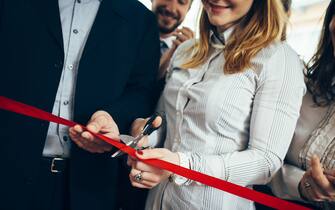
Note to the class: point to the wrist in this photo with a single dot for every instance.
(183, 161)
(176, 161)
(176, 158)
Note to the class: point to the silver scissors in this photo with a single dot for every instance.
(133, 141)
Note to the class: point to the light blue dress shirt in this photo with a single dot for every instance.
(77, 18)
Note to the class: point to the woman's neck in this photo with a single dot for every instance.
(222, 29)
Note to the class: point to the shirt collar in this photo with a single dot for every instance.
(168, 41)
(218, 40)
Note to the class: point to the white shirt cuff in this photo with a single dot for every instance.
(183, 162)
(153, 139)
(286, 181)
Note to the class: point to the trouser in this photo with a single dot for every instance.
(52, 187)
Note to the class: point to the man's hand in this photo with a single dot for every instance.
(315, 185)
(181, 35)
(100, 122)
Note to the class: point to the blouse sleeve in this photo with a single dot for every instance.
(286, 181)
(277, 101)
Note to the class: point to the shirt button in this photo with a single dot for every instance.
(79, 1)
(75, 31)
(65, 138)
(66, 103)
(70, 67)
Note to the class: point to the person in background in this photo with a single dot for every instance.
(309, 172)
(170, 14)
(287, 7)
(73, 58)
(232, 100)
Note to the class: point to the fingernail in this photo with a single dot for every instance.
(139, 152)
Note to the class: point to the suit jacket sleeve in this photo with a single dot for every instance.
(140, 95)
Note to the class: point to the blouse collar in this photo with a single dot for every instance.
(218, 40)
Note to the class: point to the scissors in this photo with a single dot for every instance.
(133, 141)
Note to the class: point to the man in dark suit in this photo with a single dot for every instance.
(72, 58)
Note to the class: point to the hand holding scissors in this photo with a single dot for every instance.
(147, 130)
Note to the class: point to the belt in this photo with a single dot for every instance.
(57, 165)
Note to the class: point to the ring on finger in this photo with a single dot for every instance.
(138, 177)
(307, 185)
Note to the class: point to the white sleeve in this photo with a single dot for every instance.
(286, 181)
(156, 138)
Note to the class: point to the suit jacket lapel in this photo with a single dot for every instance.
(108, 19)
(49, 13)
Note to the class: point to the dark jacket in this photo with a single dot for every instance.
(116, 73)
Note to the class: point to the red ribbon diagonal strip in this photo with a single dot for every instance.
(23, 109)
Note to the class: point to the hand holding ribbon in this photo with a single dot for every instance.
(151, 176)
(100, 122)
(20, 108)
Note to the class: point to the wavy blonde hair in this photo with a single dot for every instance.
(263, 25)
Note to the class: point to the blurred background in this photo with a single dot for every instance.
(303, 30)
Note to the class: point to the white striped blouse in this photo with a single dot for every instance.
(235, 127)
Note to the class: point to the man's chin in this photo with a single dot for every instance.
(166, 26)
(167, 30)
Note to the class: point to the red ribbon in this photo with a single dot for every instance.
(267, 200)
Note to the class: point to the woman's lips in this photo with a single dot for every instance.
(218, 8)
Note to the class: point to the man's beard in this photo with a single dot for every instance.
(160, 10)
(166, 30)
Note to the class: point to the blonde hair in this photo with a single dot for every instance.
(263, 25)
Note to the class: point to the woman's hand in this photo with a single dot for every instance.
(137, 128)
(317, 185)
(146, 176)
(330, 174)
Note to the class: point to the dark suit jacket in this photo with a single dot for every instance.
(116, 73)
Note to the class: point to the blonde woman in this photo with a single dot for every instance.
(232, 100)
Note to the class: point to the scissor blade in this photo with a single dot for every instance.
(127, 140)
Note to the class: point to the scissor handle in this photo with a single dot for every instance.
(149, 128)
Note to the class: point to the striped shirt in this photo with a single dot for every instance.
(235, 127)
